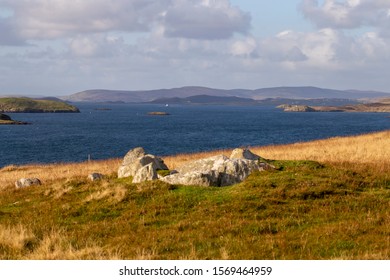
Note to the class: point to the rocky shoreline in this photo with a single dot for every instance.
(378, 107)
(7, 120)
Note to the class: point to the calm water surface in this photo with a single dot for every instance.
(108, 134)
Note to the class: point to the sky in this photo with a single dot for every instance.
(59, 47)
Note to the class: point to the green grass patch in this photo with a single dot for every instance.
(303, 210)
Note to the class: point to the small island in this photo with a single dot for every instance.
(103, 109)
(5, 119)
(29, 105)
(158, 114)
(296, 108)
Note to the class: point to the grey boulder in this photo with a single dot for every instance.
(218, 170)
(135, 162)
(146, 173)
(27, 182)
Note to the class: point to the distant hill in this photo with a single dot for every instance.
(234, 100)
(315, 92)
(206, 99)
(98, 95)
(28, 105)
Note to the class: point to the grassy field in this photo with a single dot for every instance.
(329, 199)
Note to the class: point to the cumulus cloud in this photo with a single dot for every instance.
(96, 45)
(205, 20)
(348, 14)
(41, 19)
(244, 47)
(143, 44)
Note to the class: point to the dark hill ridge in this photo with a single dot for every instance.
(206, 99)
(234, 100)
(98, 95)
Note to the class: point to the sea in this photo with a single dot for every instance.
(110, 130)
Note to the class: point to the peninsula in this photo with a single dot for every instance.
(29, 105)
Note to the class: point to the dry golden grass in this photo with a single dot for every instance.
(19, 241)
(305, 210)
(369, 148)
(56, 172)
(373, 148)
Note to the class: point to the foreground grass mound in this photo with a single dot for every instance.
(303, 210)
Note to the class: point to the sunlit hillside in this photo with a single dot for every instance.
(328, 199)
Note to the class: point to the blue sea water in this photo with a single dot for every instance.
(108, 134)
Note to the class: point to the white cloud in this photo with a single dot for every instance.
(205, 20)
(144, 44)
(42, 19)
(96, 45)
(244, 47)
(348, 14)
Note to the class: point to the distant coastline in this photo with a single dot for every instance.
(378, 107)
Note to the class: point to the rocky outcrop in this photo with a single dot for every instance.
(27, 182)
(213, 171)
(218, 170)
(140, 166)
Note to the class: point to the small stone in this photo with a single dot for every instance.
(27, 182)
(95, 176)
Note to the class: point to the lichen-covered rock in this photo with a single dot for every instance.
(194, 178)
(146, 173)
(27, 182)
(218, 170)
(133, 155)
(241, 153)
(135, 160)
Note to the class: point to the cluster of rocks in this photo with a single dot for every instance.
(213, 171)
